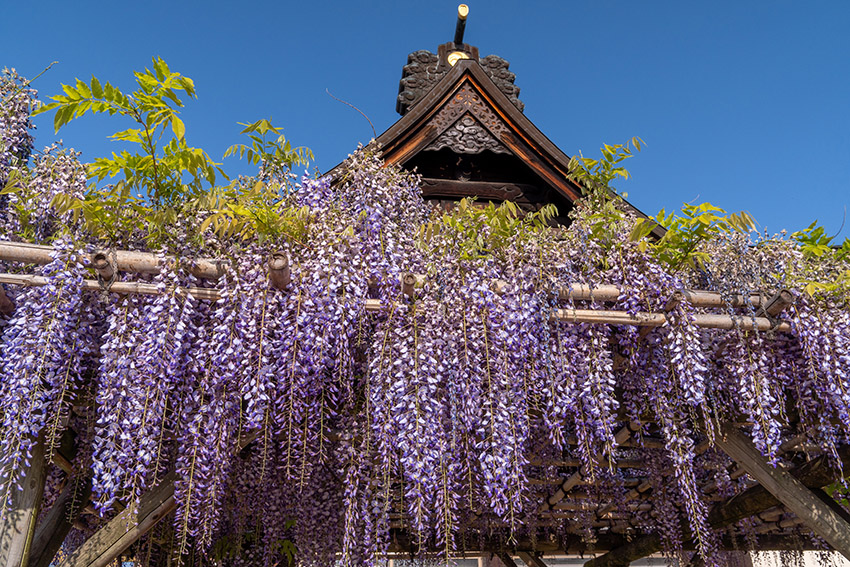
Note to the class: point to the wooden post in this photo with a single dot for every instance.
(53, 529)
(123, 530)
(103, 266)
(16, 532)
(778, 303)
(408, 283)
(817, 515)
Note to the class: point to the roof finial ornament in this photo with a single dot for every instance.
(462, 13)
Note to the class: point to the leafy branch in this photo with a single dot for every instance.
(682, 243)
(276, 157)
(482, 231)
(826, 266)
(160, 170)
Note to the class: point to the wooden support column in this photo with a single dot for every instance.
(53, 529)
(814, 474)
(18, 526)
(126, 528)
(814, 512)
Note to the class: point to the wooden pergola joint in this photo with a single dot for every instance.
(103, 265)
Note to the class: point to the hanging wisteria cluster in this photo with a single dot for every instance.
(305, 422)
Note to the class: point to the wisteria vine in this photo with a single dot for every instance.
(298, 423)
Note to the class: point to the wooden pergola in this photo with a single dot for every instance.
(463, 129)
(779, 500)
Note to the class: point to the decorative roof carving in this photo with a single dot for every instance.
(467, 100)
(424, 70)
(468, 136)
(497, 68)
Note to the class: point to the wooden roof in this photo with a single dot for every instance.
(467, 138)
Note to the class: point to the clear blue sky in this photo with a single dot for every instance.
(743, 104)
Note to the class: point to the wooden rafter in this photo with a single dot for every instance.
(531, 559)
(820, 517)
(126, 528)
(816, 473)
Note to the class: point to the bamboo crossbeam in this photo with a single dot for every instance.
(708, 321)
(126, 260)
(148, 263)
(574, 479)
(117, 287)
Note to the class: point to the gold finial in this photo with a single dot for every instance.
(462, 13)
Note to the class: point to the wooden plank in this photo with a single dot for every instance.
(18, 528)
(816, 473)
(53, 529)
(126, 528)
(487, 190)
(818, 516)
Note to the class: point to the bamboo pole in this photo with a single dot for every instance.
(126, 260)
(117, 287)
(148, 263)
(280, 274)
(708, 321)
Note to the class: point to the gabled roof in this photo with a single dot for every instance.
(467, 90)
(466, 112)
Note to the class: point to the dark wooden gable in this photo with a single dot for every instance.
(462, 129)
(466, 137)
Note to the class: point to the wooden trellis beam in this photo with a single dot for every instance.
(821, 518)
(816, 473)
(123, 530)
